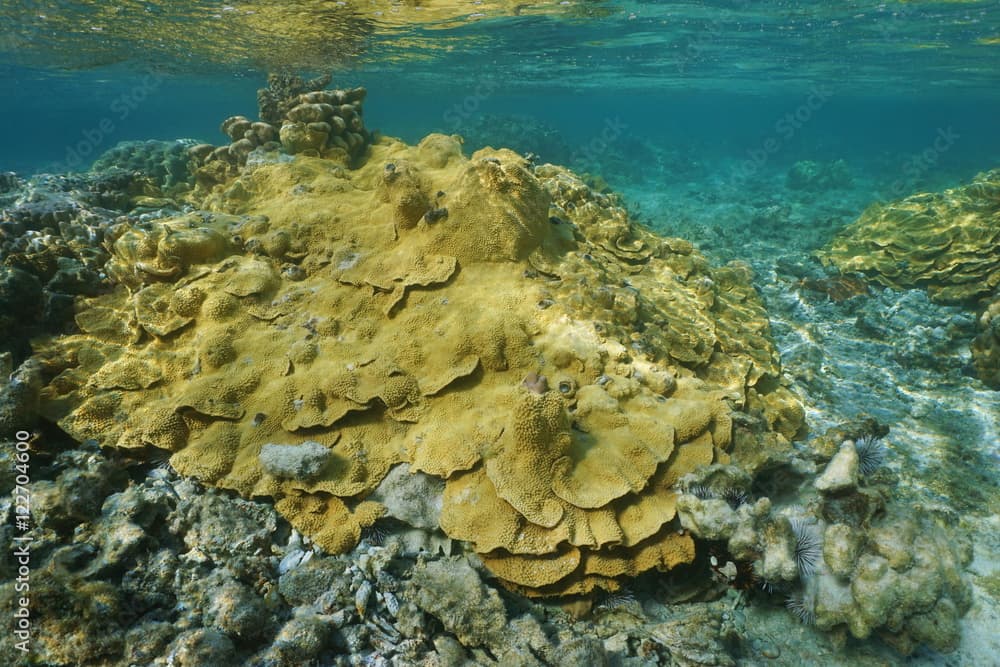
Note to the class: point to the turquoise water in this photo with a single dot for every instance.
(698, 113)
(712, 77)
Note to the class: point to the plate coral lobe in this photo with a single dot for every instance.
(389, 305)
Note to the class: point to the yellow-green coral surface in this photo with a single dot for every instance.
(948, 243)
(402, 311)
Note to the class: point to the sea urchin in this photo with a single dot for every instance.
(803, 607)
(871, 453)
(808, 546)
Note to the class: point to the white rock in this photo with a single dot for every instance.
(841, 473)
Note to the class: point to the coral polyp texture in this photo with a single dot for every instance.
(948, 243)
(479, 320)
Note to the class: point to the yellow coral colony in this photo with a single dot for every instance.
(392, 312)
(947, 242)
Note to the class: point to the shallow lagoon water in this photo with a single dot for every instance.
(696, 113)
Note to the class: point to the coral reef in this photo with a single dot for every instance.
(483, 345)
(318, 303)
(275, 100)
(166, 163)
(297, 116)
(947, 243)
(854, 562)
(52, 228)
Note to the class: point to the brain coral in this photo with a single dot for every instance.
(948, 243)
(392, 314)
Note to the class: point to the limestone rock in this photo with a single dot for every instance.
(841, 546)
(709, 519)
(452, 591)
(841, 473)
(411, 497)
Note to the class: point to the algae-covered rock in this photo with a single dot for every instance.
(19, 395)
(123, 527)
(695, 639)
(452, 591)
(304, 584)
(74, 621)
(206, 522)
(144, 642)
(20, 301)
(904, 583)
(841, 545)
(780, 554)
(709, 518)
(986, 346)
(300, 640)
(581, 651)
(847, 556)
(235, 609)
(203, 646)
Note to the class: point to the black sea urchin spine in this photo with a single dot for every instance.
(808, 546)
(871, 454)
(803, 607)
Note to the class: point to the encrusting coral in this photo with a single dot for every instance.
(497, 325)
(948, 243)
